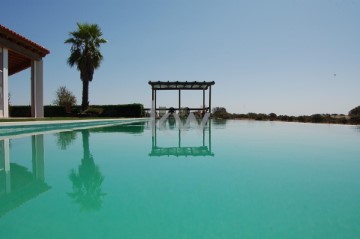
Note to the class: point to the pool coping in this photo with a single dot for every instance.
(40, 122)
(21, 129)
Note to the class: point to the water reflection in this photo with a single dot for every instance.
(87, 179)
(130, 128)
(17, 184)
(178, 150)
(219, 123)
(65, 139)
(357, 128)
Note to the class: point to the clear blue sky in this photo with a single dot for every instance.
(265, 56)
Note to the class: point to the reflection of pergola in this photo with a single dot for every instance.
(18, 53)
(180, 150)
(179, 86)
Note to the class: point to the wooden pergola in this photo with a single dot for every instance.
(179, 86)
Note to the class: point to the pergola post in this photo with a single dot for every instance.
(204, 101)
(179, 100)
(152, 100)
(155, 103)
(4, 79)
(37, 105)
(210, 99)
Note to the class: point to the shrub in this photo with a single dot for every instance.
(355, 111)
(317, 118)
(220, 113)
(65, 98)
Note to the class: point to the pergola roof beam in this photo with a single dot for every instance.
(177, 85)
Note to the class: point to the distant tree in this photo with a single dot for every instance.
(86, 55)
(272, 116)
(355, 111)
(317, 118)
(220, 112)
(65, 98)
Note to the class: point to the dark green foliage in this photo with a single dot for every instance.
(261, 117)
(252, 115)
(301, 118)
(355, 119)
(20, 111)
(130, 110)
(126, 111)
(283, 117)
(355, 111)
(93, 111)
(317, 118)
(272, 116)
(220, 113)
(54, 111)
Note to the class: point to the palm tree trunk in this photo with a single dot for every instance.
(85, 95)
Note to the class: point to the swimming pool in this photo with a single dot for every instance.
(231, 179)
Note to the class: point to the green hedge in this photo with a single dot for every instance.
(20, 111)
(129, 110)
(54, 111)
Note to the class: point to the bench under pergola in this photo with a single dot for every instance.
(179, 86)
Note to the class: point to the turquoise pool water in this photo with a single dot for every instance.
(232, 179)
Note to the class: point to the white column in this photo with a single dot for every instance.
(38, 159)
(37, 105)
(5, 163)
(4, 79)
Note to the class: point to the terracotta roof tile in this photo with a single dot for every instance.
(23, 41)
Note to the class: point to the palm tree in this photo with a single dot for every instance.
(85, 54)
